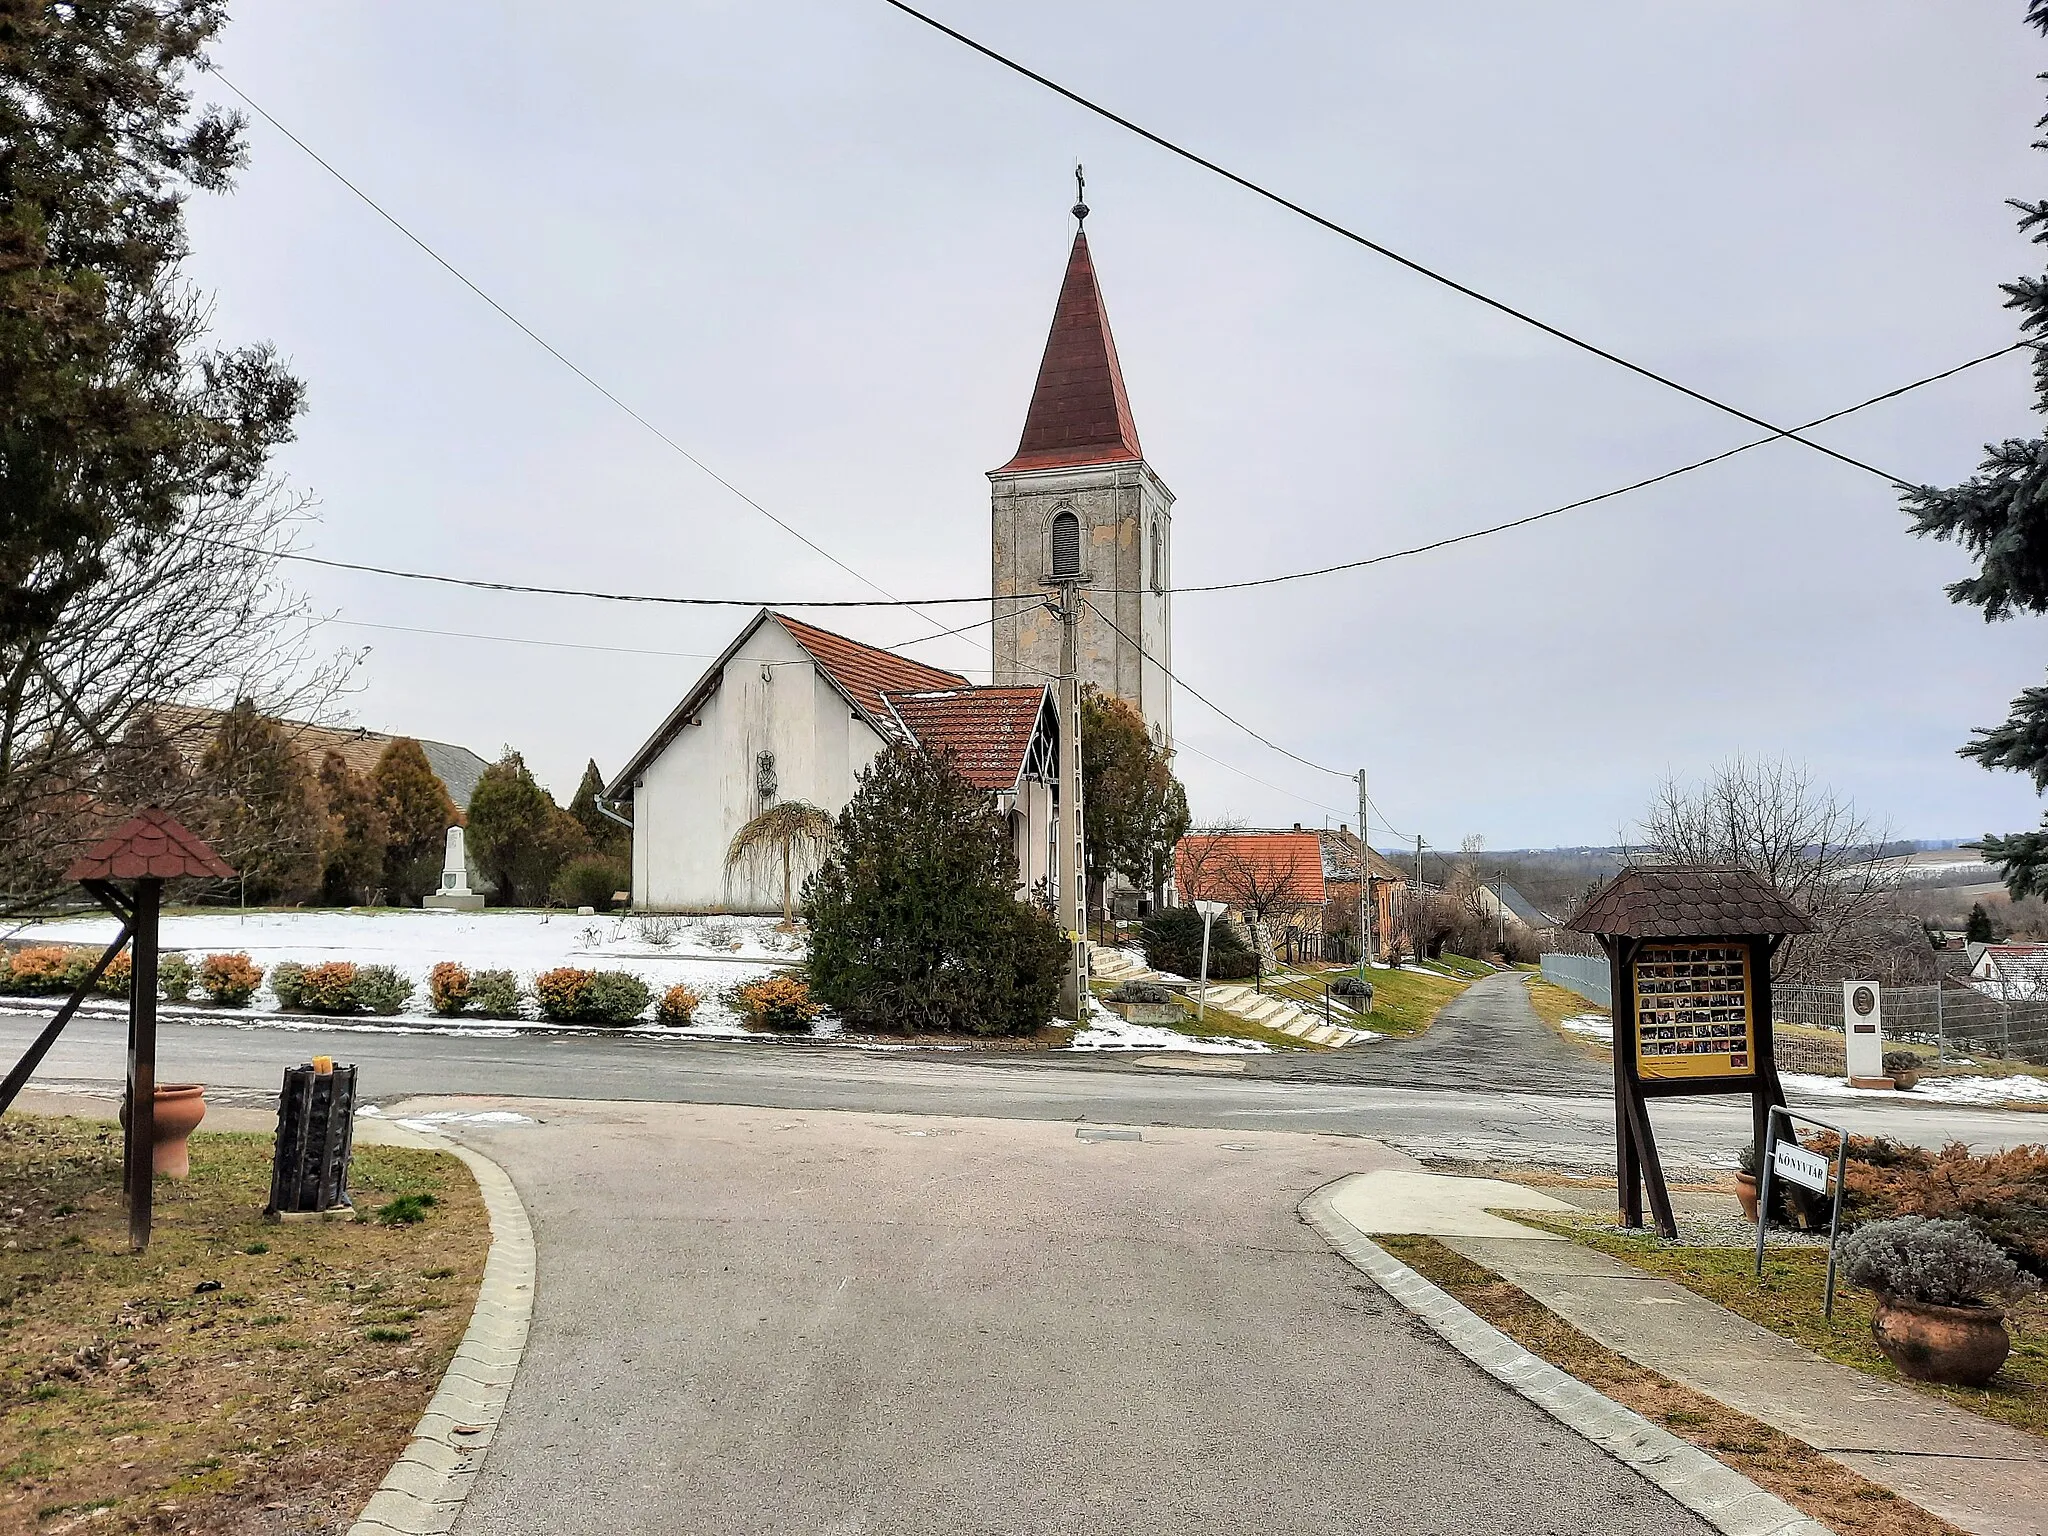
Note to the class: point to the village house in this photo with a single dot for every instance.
(1303, 884)
(794, 712)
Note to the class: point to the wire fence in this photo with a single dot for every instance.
(1586, 975)
(1957, 1021)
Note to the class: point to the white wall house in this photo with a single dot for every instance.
(794, 712)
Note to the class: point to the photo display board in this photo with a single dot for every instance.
(1693, 1011)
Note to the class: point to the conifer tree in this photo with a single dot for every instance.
(520, 836)
(2000, 515)
(261, 811)
(417, 815)
(145, 768)
(606, 835)
(357, 835)
(1133, 809)
(914, 916)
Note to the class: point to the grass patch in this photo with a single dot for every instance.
(1555, 1004)
(1403, 1002)
(1789, 1468)
(406, 1210)
(1789, 1302)
(1461, 965)
(227, 1370)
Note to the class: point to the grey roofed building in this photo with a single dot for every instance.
(1521, 907)
(456, 767)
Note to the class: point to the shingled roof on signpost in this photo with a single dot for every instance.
(1688, 901)
(150, 845)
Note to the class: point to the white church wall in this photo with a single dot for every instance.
(705, 786)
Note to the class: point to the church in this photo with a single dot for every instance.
(790, 711)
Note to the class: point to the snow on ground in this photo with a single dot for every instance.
(706, 954)
(1596, 1026)
(1108, 1031)
(2018, 1089)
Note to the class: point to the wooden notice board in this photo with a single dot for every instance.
(1694, 1015)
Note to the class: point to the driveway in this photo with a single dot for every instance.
(758, 1320)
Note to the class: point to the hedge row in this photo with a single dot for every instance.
(565, 995)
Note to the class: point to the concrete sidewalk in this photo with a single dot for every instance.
(1973, 1472)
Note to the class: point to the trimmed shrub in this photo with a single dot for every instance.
(287, 979)
(591, 880)
(39, 968)
(496, 994)
(616, 997)
(115, 978)
(1141, 992)
(571, 996)
(329, 987)
(775, 1002)
(380, 989)
(449, 988)
(1940, 1263)
(1172, 940)
(678, 1006)
(174, 977)
(230, 980)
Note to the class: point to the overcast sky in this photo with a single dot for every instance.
(818, 245)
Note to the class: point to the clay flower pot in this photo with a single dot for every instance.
(1745, 1191)
(179, 1109)
(1956, 1346)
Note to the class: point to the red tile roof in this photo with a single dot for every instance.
(151, 844)
(987, 731)
(1079, 412)
(866, 672)
(1221, 866)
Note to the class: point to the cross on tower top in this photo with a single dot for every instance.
(1080, 196)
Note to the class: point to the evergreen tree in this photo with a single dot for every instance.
(606, 836)
(915, 924)
(417, 815)
(262, 815)
(2000, 515)
(1133, 808)
(1978, 928)
(518, 833)
(145, 768)
(357, 835)
(113, 417)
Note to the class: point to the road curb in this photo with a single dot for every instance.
(1718, 1494)
(424, 1491)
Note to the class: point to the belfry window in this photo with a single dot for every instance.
(1158, 560)
(1066, 547)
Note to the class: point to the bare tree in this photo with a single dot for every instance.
(1768, 815)
(196, 615)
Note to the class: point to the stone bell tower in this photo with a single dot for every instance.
(1078, 497)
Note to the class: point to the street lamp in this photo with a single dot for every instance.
(1210, 910)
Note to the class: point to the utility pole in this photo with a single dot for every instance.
(1073, 917)
(1364, 880)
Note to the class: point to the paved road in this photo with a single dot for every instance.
(764, 1321)
(1487, 1037)
(1565, 1130)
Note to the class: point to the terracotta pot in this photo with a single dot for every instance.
(1745, 1191)
(179, 1109)
(1957, 1346)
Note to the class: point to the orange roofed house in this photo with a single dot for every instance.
(1292, 880)
(794, 712)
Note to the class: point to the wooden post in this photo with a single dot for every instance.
(141, 1147)
(1628, 1168)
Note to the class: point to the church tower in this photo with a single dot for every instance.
(1079, 496)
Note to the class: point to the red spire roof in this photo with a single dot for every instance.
(1079, 411)
(151, 845)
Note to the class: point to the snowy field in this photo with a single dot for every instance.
(706, 954)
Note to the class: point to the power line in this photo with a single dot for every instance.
(1222, 586)
(545, 345)
(1381, 250)
(1622, 490)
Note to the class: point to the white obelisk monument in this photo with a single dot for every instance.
(455, 894)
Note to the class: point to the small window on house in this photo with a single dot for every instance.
(1066, 546)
